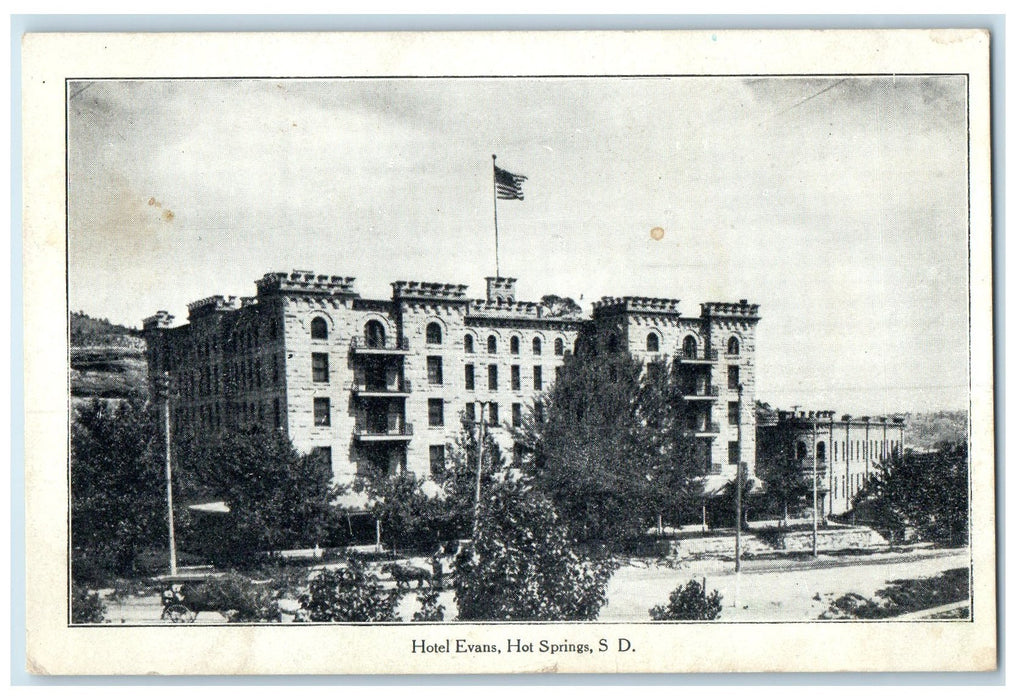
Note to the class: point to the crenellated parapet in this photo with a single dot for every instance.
(209, 305)
(160, 319)
(645, 305)
(501, 289)
(306, 282)
(429, 291)
(721, 309)
(505, 309)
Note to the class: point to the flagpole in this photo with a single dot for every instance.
(497, 261)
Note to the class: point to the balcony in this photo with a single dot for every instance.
(361, 345)
(696, 357)
(368, 390)
(365, 433)
(706, 430)
(702, 393)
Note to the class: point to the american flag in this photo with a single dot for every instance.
(509, 185)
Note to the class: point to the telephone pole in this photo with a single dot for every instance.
(737, 535)
(479, 472)
(165, 386)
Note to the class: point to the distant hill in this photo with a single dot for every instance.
(925, 430)
(107, 360)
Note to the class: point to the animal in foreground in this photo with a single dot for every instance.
(404, 574)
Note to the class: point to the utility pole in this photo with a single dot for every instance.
(814, 490)
(479, 471)
(737, 536)
(169, 474)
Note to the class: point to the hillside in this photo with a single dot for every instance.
(925, 430)
(107, 360)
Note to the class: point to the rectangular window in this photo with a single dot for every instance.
(538, 378)
(733, 412)
(516, 377)
(557, 373)
(471, 412)
(323, 455)
(733, 452)
(435, 371)
(492, 377)
(435, 412)
(322, 411)
(276, 413)
(538, 412)
(733, 377)
(437, 459)
(470, 378)
(319, 362)
(516, 414)
(494, 418)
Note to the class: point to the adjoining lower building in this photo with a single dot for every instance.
(381, 385)
(846, 451)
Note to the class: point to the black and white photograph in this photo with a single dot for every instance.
(660, 350)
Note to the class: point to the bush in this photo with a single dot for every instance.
(690, 602)
(430, 610)
(351, 594)
(86, 606)
(240, 599)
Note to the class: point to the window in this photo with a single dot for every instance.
(492, 344)
(538, 377)
(437, 459)
(612, 342)
(559, 347)
(492, 377)
(273, 329)
(516, 377)
(433, 334)
(470, 378)
(733, 412)
(467, 343)
(733, 377)
(276, 414)
(275, 369)
(323, 455)
(514, 345)
(319, 365)
(374, 333)
(652, 343)
(802, 450)
(471, 412)
(537, 346)
(319, 329)
(322, 411)
(435, 371)
(836, 450)
(733, 346)
(435, 412)
(690, 347)
(538, 412)
(733, 452)
(820, 451)
(516, 414)
(493, 414)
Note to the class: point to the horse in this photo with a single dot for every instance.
(404, 575)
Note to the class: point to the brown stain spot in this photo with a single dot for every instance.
(167, 215)
(656, 233)
(153, 202)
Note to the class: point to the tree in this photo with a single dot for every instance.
(352, 594)
(458, 481)
(277, 498)
(614, 450)
(787, 485)
(927, 492)
(118, 506)
(407, 515)
(559, 306)
(690, 602)
(523, 564)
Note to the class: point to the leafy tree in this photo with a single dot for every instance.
(352, 594)
(523, 564)
(458, 481)
(240, 599)
(407, 515)
(430, 610)
(787, 485)
(118, 506)
(924, 491)
(614, 449)
(559, 306)
(690, 602)
(86, 606)
(277, 498)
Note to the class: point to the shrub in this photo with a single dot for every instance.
(86, 606)
(430, 610)
(351, 594)
(690, 602)
(241, 600)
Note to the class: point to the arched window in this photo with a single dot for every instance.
(374, 332)
(652, 343)
(733, 346)
(820, 451)
(537, 346)
(433, 333)
(319, 329)
(559, 346)
(802, 450)
(689, 347)
(514, 345)
(492, 344)
(468, 344)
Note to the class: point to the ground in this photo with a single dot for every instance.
(774, 590)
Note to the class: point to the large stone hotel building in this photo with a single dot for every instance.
(381, 384)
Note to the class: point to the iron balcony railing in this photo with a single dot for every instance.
(374, 431)
(366, 344)
(708, 392)
(708, 428)
(686, 355)
(402, 387)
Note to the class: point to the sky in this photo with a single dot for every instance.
(837, 204)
